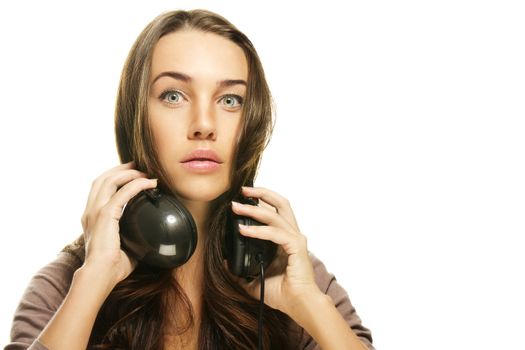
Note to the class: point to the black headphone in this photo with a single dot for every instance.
(156, 229)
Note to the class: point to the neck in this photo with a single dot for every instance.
(199, 210)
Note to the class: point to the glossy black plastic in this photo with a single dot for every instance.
(158, 230)
(242, 252)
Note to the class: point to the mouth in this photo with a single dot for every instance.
(202, 155)
(202, 160)
(201, 164)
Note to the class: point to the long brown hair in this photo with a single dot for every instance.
(137, 310)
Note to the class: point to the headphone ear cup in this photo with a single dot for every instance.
(232, 245)
(241, 251)
(157, 229)
(233, 248)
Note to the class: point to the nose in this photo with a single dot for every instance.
(202, 126)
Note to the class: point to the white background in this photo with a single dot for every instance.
(399, 143)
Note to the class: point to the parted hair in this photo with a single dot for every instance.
(135, 315)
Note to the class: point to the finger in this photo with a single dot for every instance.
(268, 196)
(104, 187)
(261, 214)
(98, 181)
(110, 214)
(95, 186)
(290, 242)
(280, 203)
(107, 219)
(262, 203)
(112, 183)
(124, 195)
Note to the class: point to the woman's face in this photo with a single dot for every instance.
(197, 87)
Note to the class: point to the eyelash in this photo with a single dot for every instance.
(240, 100)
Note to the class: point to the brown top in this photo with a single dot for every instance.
(49, 286)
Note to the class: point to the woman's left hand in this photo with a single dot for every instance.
(283, 291)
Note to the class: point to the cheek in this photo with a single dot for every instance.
(167, 135)
(234, 132)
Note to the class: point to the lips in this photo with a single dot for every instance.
(204, 155)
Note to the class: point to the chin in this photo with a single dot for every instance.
(201, 191)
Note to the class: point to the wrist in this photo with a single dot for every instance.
(95, 277)
(306, 303)
(318, 316)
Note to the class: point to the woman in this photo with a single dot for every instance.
(192, 88)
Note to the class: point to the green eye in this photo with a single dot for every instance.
(172, 95)
(230, 100)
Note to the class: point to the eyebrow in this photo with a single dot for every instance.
(187, 79)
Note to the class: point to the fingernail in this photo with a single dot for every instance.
(236, 204)
(241, 226)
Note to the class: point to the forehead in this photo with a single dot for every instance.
(203, 56)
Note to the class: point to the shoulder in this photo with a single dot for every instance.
(42, 297)
(55, 277)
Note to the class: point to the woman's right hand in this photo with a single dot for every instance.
(100, 221)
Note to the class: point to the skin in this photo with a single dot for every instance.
(199, 114)
(200, 119)
(196, 115)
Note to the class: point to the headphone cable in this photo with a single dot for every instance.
(261, 302)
